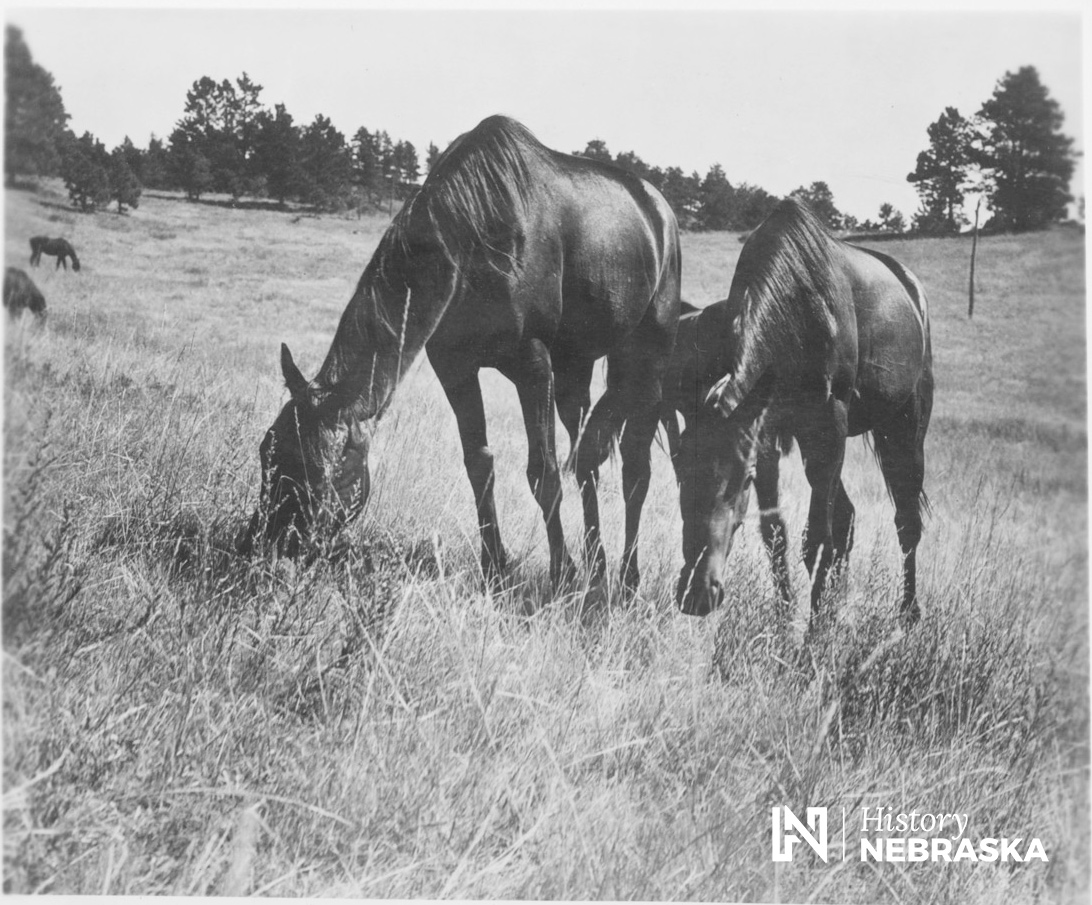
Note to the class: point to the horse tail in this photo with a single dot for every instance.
(923, 498)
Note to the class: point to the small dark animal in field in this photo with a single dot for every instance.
(515, 257)
(61, 249)
(20, 294)
(818, 340)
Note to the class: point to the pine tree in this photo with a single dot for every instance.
(682, 193)
(406, 168)
(597, 150)
(717, 200)
(753, 205)
(432, 157)
(125, 187)
(820, 199)
(35, 121)
(86, 172)
(941, 174)
(325, 164)
(277, 153)
(891, 219)
(220, 124)
(1028, 159)
(155, 172)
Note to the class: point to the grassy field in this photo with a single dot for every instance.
(179, 721)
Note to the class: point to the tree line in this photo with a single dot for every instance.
(1012, 152)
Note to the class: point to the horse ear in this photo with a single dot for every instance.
(293, 379)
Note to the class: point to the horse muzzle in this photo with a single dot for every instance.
(698, 592)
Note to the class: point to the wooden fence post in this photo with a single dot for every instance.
(974, 250)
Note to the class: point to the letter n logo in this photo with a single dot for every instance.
(785, 826)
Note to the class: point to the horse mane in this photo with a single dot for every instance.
(468, 211)
(479, 188)
(786, 278)
(368, 323)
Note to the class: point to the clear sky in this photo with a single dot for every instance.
(778, 98)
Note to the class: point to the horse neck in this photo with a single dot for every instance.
(382, 331)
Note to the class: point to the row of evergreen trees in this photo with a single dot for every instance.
(1012, 152)
(228, 142)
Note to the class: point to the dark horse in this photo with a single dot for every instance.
(511, 256)
(61, 249)
(20, 294)
(818, 340)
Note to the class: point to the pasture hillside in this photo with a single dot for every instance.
(179, 721)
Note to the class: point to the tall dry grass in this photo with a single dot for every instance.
(178, 720)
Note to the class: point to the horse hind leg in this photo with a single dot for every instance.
(902, 458)
(843, 520)
(823, 450)
(534, 379)
(572, 384)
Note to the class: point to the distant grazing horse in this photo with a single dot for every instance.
(61, 249)
(20, 294)
(818, 340)
(515, 257)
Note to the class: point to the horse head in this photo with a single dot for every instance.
(715, 469)
(314, 469)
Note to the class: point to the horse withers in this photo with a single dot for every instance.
(61, 249)
(20, 294)
(818, 340)
(515, 257)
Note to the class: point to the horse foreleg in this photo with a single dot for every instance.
(842, 522)
(767, 476)
(464, 393)
(573, 391)
(534, 379)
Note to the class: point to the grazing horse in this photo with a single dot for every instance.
(818, 340)
(515, 257)
(20, 294)
(61, 249)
